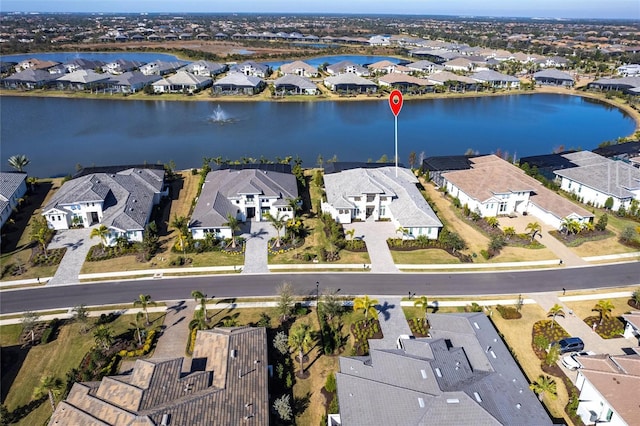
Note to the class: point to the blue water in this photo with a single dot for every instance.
(358, 59)
(64, 57)
(56, 133)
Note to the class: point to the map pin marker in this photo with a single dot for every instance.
(395, 102)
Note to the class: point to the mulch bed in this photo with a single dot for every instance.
(543, 328)
(611, 328)
(633, 304)
(362, 332)
(418, 328)
(573, 240)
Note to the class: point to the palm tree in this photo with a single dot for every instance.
(121, 243)
(101, 232)
(492, 221)
(350, 232)
(144, 300)
(604, 308)
(202, 299)
(533, 228)
(424, 304)
(179, 223)
(199, 321)
(103, 336)
(294, 204)
(278, 222)
(300, 340)
(136, 324)
(367, 306)
(234, 224)
(571, 226)
(50, 385)
(635, 297)
(19, 162)
(544, 384)
(555, 311)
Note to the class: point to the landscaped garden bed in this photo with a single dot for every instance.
(362, 331)
(418, 327)
(50, 258)
(610, 328)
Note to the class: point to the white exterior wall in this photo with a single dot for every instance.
(58, 220)
(544, 216)
(339, 215)
(260, 204)
(13, 202)
(515, 202)
(593, 402)
(201, 233)
(631, 332)
(590, 195)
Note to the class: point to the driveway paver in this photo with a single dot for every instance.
(78, 243)
(375, 235)
(257, 235)
(172, 342)
(393, 323)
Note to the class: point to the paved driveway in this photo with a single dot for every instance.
(375, 235)
(257, 235)
(78, 243)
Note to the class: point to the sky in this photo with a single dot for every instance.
(607, 9)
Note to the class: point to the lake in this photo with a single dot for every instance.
(57, 133)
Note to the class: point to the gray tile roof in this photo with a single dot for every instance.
(230, 389)
(239, 79)
(463, 374)
(295, 80)
(31, 76)
(348, 78)
(491, 75)
(408, 206)
(84, 77)
(444, 76)
(127, 195)
(610, 177)
(340, 67)
(553, 73)
(9, 184)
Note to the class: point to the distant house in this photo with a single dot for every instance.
(29, 79)
(383, 67)
(425, 67)
(496, 80)
(605, 383)
(160, 67)
(459, 64)
(299, 68)
(350, 83)
(120, 66)
(294, 85)
(227, 385)
(82, 80)
(205, 68)
(447, 77)
(631, 70)
(236, 83)
(245, 194)
(121, 198)
(82, 64)
(182, 82)
(463, 374)
(36, 64)
(406, 83)
(597, 179)
(553, 77)
(129, 82)
(493, 187)
(629, 85)
(13, 186)
(378, 194)
(251, 68)
(347, 67)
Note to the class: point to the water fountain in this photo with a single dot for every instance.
(220, 116)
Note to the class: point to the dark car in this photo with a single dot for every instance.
(570, 344)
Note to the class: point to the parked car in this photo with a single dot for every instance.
(572, 361)
(570, 344)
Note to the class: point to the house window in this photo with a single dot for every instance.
(502, 208)
(356, 198)
(250, 197)
(579, 188)
(383, 211)
(569, 187)
(370, 198)
(59, 218)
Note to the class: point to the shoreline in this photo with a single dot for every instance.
(205, 96)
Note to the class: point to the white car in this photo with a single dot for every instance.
(572, 362)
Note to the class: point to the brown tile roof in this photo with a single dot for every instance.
(634, 318)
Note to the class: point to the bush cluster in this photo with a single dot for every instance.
(508, 312)
(145, 349)
(50, 332)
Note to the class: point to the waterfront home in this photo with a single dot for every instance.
(205, 68)
(553, 77)
(496, 80)
(630, 85)
(121, 198)
(298, 68)
(120, 66)
(459, 64)
(350, 83)
(246, 192)
(226, 385)
(621, 151)
(437, 166)
(82, 80)
(595, 179)
(181, 82)
(129, 82)
(630, 70)
(160, 67)
(373, 193)
(28, 79)
(493, 187)
(251, 68)
(605, 383)
(434, 55)
(292, 84)
(35, 64)
(448, 78)
(462, 374)
(235, 83)
(405, 83)
(347, 67)
(425, 67)
(386, 67)
(82, 64)
(13, 186)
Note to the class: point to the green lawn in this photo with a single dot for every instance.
(423, 256)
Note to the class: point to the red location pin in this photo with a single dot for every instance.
(395, 102)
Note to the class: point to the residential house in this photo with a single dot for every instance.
(496, 80)
(236, 83)
(459, 64)
(441, 78)
(160, 67)
(29, 79)
(607, 387)
(596, 179)
(494, 187)
(293, 84)
(182, 82)
(226, 385)
(129, 82)
(425, 67)
(380, 40)
(630, 70)
(632, 326)
(437, 166)
(119, 197)
(553, 77)
(251, 68)
(247, 194)
(621, 151)
(205, 68)
(434, 55)
(378, 193)
(384, 67)
(82, 64)
(406, 83)
(461, 374)
(120, 66)
(552, 62)
(623, 84)
(347, 67)
(13, 186)
(299, 68)
(35, 64)
(350, 83)
(82, 80)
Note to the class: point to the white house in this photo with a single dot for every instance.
(631, 70)
(632, 326)
(180, 82)
(378, 194)
(13, 186)
(121, 198)
(496, 79)
(299, 68)
(608, 388)
(597, 179)
(245, 194)
(494, 187)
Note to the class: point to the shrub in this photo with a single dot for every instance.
(602, 222)
(330, 383)
(49, 334)
(508, 312)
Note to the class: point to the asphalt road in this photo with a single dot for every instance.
(230, 286)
